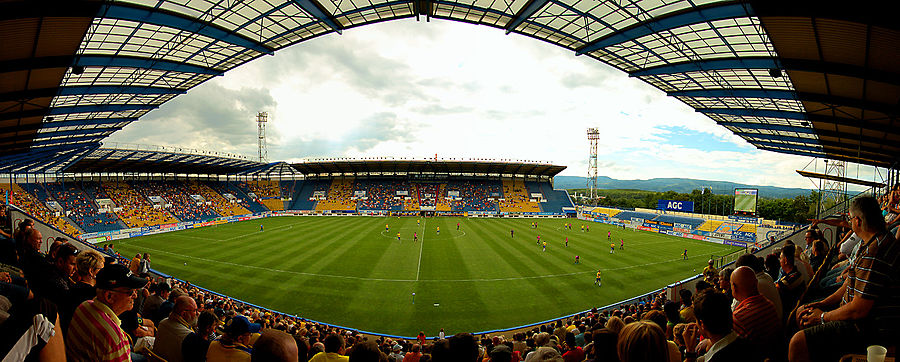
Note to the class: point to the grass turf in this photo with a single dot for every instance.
(351, 272)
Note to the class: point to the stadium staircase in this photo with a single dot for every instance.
(82, 209)
(287, 192)
(304, 191)
(224, 187)
(136, 210)
(268, 194)
(442, 204)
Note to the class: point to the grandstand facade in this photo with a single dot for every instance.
(96, 206)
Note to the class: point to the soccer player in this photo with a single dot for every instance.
(512, 233)
(582, 228)
(457, 226)
(545, 246)
(387, 228)
(539, 240)
(439, 230)
(622, 244)
(612, 248)
(684, 254)
(588, 228)
(418, 222)
(415, 237)
(598, 278)
(260, 227)
(567, 241)
(608, 235)
(576, 259)
(398, 237)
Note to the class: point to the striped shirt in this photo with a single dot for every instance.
(874, 275)
(756, 320)
(94, 335)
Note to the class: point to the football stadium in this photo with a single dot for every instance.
(115, 252)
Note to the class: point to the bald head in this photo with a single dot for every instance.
(186, 308)
(275, 345)
(743, 283)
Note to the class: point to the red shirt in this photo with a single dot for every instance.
(574, 355)
(756, 320)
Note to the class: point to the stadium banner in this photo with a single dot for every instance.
(735, 243)
(453, 193)
(673, 205)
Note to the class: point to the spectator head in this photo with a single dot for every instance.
(207, 323)
(186, 309)
(54, 247)
(367, 351)
(604, 345)
(615, 324)
(656, 316)
(677, 332)
(33, 238)
(702, 285)
(743, 283)
(541, 339)
(463, 347)
(334, 343)
(570, 340)
(819, 248)
(501, 353)
(772, 262)
(642, 341)
(238, 329)
(786, 260)
(65, 259)
(543, 354)
(88, 263)
(725, 278)
(147, 256)
(116, 287)
(865, 216)
(276, 346)
(686, 297)
(751, 261)
(713, 311)
(671, 311)
(163, 289)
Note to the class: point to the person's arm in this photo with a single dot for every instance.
(806, 309)
(691, 337)
(858, 308)
(832, 222)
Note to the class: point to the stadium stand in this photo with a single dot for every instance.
(427, 194)
(339, 196)
(475, 195)
(287, 191)
(225, 188)
(627, 215)
(710, 225)
(183, 205)
(37, 208)
(382, 195)
(692, 221)
(608, 211)
(137, 210)
(555, 200)
(516, 198)
(443, 201)
(81, 208)
(215, 201)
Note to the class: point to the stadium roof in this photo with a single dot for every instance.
(817, 79)
(356, 166)
(127, 158)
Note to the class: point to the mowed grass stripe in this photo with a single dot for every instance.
(344, 270)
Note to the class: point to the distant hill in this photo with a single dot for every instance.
(684, 185)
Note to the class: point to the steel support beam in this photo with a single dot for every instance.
(312, 7)
(524, 13)
(668, 22)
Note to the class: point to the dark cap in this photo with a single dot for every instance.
(118, 276)
(501, 349)
(239, 325)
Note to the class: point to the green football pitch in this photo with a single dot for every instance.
(350, 271)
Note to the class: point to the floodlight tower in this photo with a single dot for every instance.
(261, 119)
(593, 134)
(835, 191)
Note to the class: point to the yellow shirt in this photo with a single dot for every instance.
(219, 352)
(329, 357)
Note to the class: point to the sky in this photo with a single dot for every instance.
(415, 89)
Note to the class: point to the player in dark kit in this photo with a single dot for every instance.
(684, 254)
(512, 233)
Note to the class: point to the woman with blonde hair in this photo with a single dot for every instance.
(642, 341)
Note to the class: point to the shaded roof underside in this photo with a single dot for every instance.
(426, 167)
(72, 73)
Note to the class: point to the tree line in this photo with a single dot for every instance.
(797, 209)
